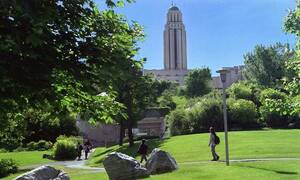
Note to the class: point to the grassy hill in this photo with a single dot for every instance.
(242, 144)
(193, 154)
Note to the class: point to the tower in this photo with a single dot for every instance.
(175, 57)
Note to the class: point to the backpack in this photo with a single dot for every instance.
(217, 140)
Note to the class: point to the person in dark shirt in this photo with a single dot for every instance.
(143, 150)
(87, 148)
(79, 150)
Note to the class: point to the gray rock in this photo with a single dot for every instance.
(43, 173)
(160, 162)
(122, 167)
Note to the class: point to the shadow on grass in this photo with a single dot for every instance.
(271, 170)
(130, 151)
(109, 150)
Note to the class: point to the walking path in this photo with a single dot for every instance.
(245, 160)
(81, 164)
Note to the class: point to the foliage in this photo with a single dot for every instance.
(242, 114)
(64, 150)
(7, 166)
(240, 90)
(198, 82)
(265, 65)
(178, 122)
(74, 139)
(166, 100)
(206, 113)
(274, 108)
(41, 145)
(69, 74)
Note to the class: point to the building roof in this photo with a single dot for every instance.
(174, 8)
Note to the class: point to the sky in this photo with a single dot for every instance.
(219, 32)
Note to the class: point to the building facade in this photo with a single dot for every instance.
(175, 50)
(175, 54)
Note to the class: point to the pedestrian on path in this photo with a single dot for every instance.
(213, 141)
(87, 148)
(143, 150)
(79, 149)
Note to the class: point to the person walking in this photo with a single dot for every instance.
(79, 150)
(87, 148)
(213, 141)
(143, 150)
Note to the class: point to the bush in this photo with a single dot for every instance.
(273, 110)
(206, 113)
(240, 91)
(40, 145)
(74, 139)
(64, 150)
(242, 114)
(7, 166)
(178, 122)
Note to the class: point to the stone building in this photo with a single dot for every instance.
(235, 74)
(175, 54)
(101, 135)
(153, 123)
(175, 51)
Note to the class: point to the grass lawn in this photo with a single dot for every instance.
(219, 171)
(26, 158)
(242, 144)
(192, 154)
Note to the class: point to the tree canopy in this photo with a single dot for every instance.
(198, 82)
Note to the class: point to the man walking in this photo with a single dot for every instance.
(143, 150)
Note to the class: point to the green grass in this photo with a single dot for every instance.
(275, 170)
(192, 154)
(243, 144)
(26, 158)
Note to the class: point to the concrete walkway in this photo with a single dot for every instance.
(243, 160)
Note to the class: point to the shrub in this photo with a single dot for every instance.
(273, 110)
(178, 122)
(74, 139)
(240, 91)
(7, 166)
(40, 145)
(206, 113)
(64, 150)
(242, 114)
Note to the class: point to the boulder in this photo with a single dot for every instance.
(44, 172)
(122, 167)
(160, 162)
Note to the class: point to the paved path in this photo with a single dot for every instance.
(81, 164)
(244, 160)
(74, 164)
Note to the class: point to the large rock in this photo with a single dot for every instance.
(122, 167)
(160, 162)
(43, 173)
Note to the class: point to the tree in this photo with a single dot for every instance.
(67, 53)
(198, 82)
(265, 65)
(292, 82)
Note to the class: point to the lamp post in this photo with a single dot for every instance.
(223, 73)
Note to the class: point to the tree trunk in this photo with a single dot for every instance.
(122, 130)
(130, 118)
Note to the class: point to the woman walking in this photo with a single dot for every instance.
(213, 141)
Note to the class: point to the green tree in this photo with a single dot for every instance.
(198, 82)
(67, 53)
(265, 65)
(292, 82)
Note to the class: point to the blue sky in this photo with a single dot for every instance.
(219, 32)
